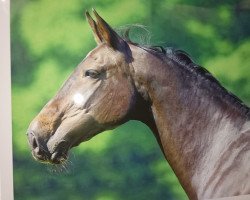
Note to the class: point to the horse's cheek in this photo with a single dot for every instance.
(122, 103)
(116, 106)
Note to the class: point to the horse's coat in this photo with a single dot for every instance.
(202, 129)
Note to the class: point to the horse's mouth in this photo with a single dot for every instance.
(58, 157)
(59, 154)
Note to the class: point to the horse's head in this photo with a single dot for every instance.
(99, 95)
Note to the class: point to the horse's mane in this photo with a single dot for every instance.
(183, 59)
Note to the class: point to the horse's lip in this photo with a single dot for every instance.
(39, 157)
(58, 157)
(59, 153)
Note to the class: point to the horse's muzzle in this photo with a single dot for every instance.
(38, 151)
(41, 153)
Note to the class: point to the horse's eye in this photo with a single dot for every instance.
(92, 73)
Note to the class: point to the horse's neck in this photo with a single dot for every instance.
(197, 137)
(195, 131)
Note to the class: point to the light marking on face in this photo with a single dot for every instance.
(78, 99)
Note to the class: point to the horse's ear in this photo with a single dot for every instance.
(104, 32)
(94, 28)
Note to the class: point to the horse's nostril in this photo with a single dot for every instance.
(34, 143)
(32, 140)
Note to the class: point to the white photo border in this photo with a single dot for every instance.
(6, 159)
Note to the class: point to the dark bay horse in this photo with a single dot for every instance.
(202, 129)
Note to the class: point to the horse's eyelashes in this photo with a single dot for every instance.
(92, 73)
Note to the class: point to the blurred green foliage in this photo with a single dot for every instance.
(49, 38)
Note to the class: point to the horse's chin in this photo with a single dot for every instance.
(59, 152)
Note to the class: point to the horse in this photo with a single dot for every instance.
(202, 129)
